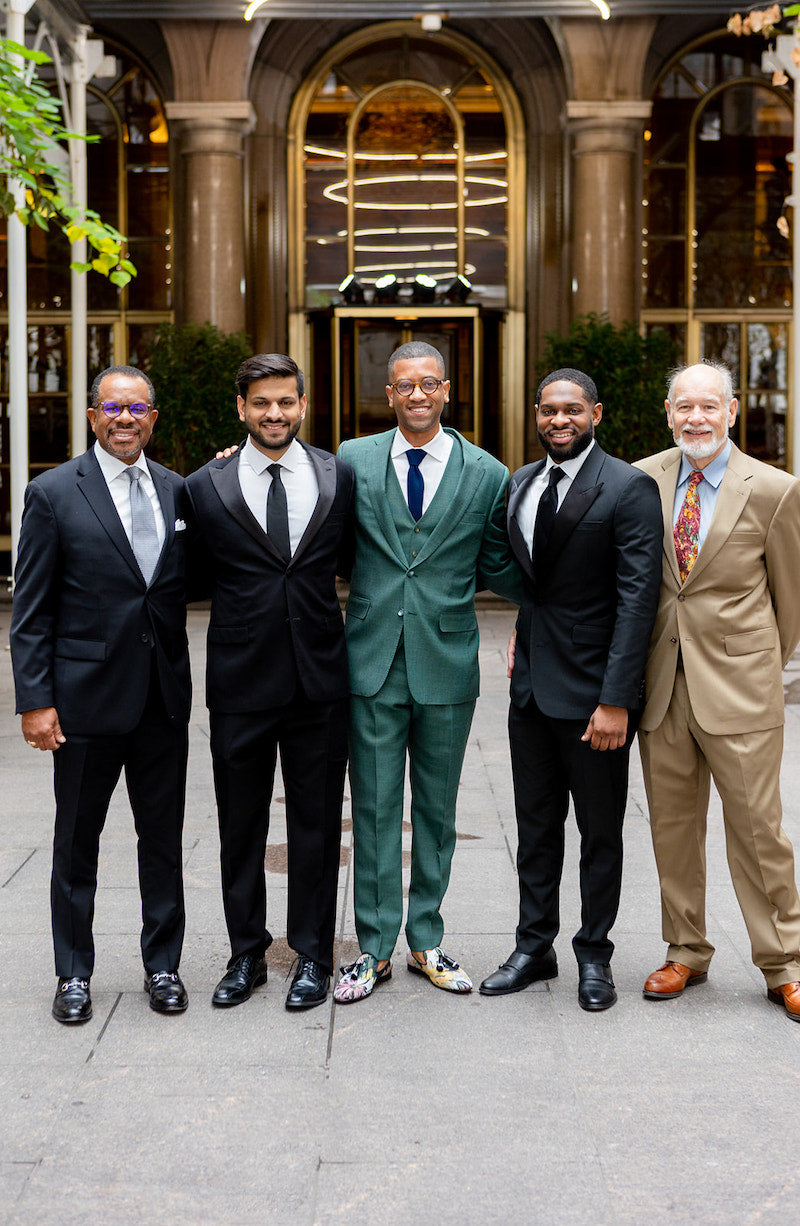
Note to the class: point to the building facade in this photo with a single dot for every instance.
(335, 185)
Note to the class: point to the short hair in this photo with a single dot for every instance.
(268, 366)
(722, 370)
(570, 375)
(133, 372)
(411, 350)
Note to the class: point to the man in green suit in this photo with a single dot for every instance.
(430, 528)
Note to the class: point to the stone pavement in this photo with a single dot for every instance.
(413, 1106)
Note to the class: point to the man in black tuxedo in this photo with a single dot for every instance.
(587, 532)
(274, 519)
(101, 669)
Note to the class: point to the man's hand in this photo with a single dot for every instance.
(511, 651)
(41, 728)
(227, 453)
(607, 728)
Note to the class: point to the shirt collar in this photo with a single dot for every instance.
(436, 448)
(292, 457)
(713, 472)
(570, 467)
(112, 467)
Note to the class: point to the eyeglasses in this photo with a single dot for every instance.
(112, 409)
(429, 385)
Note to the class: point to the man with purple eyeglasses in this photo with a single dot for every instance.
(101, 670)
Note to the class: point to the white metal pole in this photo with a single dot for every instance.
(17, 326)
(78, 286)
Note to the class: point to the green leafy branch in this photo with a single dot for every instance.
(30, 130)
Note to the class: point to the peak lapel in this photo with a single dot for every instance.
(325, 470)
(226, 482)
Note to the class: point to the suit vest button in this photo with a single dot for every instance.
(399, 612)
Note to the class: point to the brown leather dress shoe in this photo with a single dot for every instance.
(670, 980)
(788, 995)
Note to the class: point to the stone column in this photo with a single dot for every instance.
(606, 205)
(210, 226)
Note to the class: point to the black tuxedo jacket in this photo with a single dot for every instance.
(272, 622)
(84, 624)
(584, 626)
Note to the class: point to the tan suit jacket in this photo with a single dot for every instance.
(736, 619)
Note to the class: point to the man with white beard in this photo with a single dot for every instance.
(728, 620)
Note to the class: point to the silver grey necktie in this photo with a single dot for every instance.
(143, 526)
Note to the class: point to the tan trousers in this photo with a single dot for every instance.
(679, 760)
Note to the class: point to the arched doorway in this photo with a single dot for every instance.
(406, 193)
(717, 271)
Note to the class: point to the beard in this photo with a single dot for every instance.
(699, 451)
(567, 451)
(275, 442)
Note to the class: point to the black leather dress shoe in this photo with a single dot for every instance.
(72, 1001)
(518, 971)
(596, 987)
(309, 986)
(167, 993)
(243, 975)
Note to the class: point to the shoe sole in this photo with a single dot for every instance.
(690, 983)
(777, 999)
(520, 987)
(231, 1004)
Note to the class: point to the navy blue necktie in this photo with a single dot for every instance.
(416, 485)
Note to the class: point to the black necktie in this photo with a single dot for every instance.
(278, 513)
(546, 516)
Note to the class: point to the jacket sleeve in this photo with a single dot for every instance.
(782, 557)
(33, 619)
(497, 567)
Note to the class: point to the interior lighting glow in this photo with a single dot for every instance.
(602, 8)
(497, 155)
(334, 190)
(252, 9)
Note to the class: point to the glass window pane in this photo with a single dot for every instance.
(720, 342)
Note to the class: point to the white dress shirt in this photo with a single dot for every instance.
(529, 504)
(119, 487)
(297, 477)
(431, 466)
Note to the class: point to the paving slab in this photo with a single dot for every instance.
(413, 1106)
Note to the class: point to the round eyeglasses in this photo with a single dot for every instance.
(429, 385)
(112, 409)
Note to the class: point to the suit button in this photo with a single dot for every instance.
(413, 553)
(399, 612)
(411, 574)
(145, 638)
(673, 640)
(681, 597)
(416, 529)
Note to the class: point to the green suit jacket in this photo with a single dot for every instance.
(426, 594)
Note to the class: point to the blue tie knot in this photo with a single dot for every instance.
(415, 456)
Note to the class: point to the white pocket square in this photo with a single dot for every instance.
(180, 525)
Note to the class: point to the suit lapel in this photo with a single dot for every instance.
(325, 470)
(734, 491)
(515, 536)
(94, 488)
(579, 497)
(471, 475)
(667, 481)
(167, 501)
(226, 482)
(376, 488)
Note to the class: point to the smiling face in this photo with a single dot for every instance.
(124, 436)
(699, 415)
(565, 420)
(418, 414)
(273, 413)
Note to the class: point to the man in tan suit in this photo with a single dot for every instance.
(728, 620)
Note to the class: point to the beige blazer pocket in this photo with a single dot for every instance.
(751, 640)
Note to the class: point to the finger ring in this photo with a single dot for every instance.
(32, 744)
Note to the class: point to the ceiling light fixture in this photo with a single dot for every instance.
(252, 9)
(602, 8)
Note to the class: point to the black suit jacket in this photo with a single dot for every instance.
(584, 626)
(272, 622)
(84, 623)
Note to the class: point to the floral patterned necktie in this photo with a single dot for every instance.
(687, 527)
